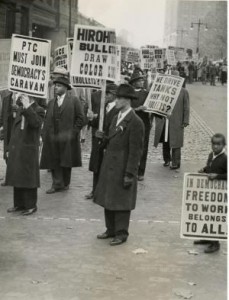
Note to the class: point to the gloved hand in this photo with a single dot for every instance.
(128, 180)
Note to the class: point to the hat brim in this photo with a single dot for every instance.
(67, 85)
(136, 78)
(130, 96)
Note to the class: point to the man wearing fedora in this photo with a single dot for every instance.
(61, 136)
(98, 137)
(116, 190)
(137, 81)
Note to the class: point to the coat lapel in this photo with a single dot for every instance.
(64, 104)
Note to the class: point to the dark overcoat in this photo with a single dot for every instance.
(23, 162)
(179, 116)
(64, 146)
(6, 121)
(122, 156)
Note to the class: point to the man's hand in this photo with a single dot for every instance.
(26, 101)
(141, 108)
(91, 115)
(201, 171)
(212, 176)
(128, 181)
(184, 125)
(99, 134)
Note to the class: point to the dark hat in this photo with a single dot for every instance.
(137, 74)
(64, 81)
(111, 88)
(126, 91)
(61, 72)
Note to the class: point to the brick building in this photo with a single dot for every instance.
(49, 19)
(212, 38)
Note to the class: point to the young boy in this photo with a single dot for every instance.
(216, 168)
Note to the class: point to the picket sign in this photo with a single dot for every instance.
(61, 57)
(29, 66)
(163, 94)
(204, 208)
(94, 57)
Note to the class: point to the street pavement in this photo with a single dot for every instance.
(54, 254)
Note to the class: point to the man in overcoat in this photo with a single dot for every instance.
(97, 142)
(61, 136)
(116, 190)
(23, 162)
(137, 81)
(178, 120)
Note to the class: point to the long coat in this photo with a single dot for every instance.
(23, 162)
(122, 156)
(180, 115)
(96, 149)
(63, 147)
(6, 121)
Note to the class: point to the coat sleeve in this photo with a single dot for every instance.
(136, 139)
(34, 117)
(79, 115)
(186, 112)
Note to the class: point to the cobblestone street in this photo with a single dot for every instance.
(54, 254)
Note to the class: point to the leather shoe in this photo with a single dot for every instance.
(213, 247)
(104, 236)
(89, 196)
(116, 241)
(201, 242)
(174, 167)
(29, 211)
(14, 209)
(166, 163)
(140, 177)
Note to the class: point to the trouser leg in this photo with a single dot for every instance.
(110, 221)
(66, 175)
(95, 180)
(142, 166)
(166, 152)
(122, 220)
(18, 198)
(176, 156)
(57, 178)
(30, 198)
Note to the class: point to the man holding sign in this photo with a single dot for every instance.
(169, 101)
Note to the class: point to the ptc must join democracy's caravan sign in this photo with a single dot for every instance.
(94, 53)
(29, 66)
(204, 208)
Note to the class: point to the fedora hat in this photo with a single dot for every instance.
(111, 88)
(61, 72)
(126, 91)
(137, 74)
(64, 81)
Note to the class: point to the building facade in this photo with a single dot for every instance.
(48, 19)
(208, 38)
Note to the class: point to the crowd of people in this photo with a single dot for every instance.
(119, 150)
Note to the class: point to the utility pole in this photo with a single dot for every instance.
(199, 24)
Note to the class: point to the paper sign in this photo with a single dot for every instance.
(94, 53)
(29, 66)
(4, 62)
(204, 208)
(170, 55)
(147, 56)
(79, 81)
(61, 57)
(163, 94)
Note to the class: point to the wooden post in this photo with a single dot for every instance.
(102, 105)
(166, 129)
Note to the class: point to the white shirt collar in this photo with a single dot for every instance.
(60, 99)
(110, 106)
(214, 156)
(121, 115)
